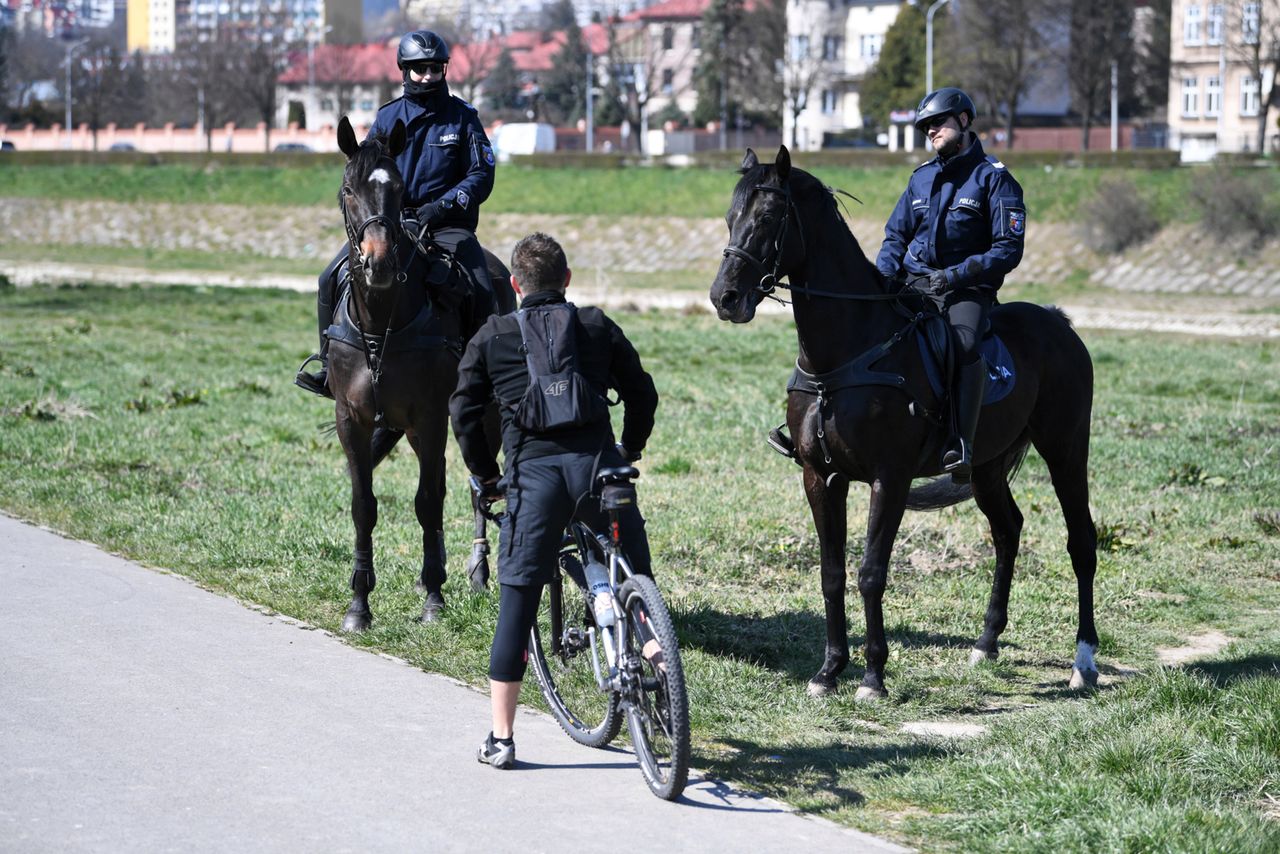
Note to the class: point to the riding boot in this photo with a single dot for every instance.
(318, 382)
(966, 407)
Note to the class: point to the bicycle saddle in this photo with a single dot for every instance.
(620, 474)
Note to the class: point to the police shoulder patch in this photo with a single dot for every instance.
(1017, 222)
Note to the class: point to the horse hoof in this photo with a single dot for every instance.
(867, 694)
(978, 656)
(1083, 679)
(356, 622)
(432, 608)
(819, 688)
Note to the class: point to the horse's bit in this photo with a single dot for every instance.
(355, 236)
(769, 278)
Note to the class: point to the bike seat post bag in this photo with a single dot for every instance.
(559, 396)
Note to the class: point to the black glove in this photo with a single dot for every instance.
(934, 284)
(431, 213)
(626, 455)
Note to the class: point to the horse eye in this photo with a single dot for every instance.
(346, 191)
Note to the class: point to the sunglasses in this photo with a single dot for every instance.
(427, 67)
(937, 121)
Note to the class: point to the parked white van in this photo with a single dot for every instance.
(522, 138)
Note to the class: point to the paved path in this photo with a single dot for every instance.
(139, 712)
(1215, 324)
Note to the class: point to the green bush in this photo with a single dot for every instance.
(1116, 217)
(1234, 205)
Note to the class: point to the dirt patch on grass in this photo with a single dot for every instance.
(1197, 646)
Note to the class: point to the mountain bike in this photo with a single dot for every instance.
(604, 648)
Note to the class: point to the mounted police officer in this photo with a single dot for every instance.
(955, 234)
(448, 170)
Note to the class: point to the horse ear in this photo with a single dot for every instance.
(783, 163)
(750, 161)
(398, 138)
(347, 138)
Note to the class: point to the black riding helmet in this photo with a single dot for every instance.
(948, 101)
(421, 46)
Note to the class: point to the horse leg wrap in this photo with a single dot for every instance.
(364, 564)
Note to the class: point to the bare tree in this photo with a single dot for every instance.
(1252, 36)
(335, 71)
(803, 65)
(1099, 34)
(254, 78)
(641, 67)
(98, 77)
(470, 66)
(29, 58)
(999, 45)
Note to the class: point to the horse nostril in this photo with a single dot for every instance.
(729, 300)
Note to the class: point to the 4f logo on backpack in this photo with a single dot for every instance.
(559, 396)
(556, 388)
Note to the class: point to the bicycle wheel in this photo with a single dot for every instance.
(655, 698)
(560, 652)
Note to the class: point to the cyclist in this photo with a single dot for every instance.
(448, 170)
(547, 474)
(955, 234)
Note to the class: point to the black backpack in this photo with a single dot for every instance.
(559, 397)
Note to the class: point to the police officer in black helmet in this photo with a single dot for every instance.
(448, 170)
(955, 233)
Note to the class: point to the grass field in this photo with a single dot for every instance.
(1052, 194)
(126, 420)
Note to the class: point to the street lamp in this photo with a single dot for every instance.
(72, 47)
(928, 45)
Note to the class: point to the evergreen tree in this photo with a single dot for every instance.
(502, 86)
(564, 89)
(896, 81)
(713, 79)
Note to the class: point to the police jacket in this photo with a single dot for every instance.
(964, 215)
(447, 156)
(494, 366)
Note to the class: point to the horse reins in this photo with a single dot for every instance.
(769, 280)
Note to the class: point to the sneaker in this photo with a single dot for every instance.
(492, 752)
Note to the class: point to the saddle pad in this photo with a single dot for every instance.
(1000, 373)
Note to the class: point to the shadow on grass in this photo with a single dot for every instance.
(793, 642)
(1228, 672)
(777, 770)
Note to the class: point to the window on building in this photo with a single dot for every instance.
(831, 47)
(1190, 96)
(828, 101)
(326, 104)
(668, 38)
(1250, 96)
(1191, 25)
(366, 105)
(869, 45)
(1213, 95)
(668, 81)
(1249, 23)
(1215, 23)
(799, 48)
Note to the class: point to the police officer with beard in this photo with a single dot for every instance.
(448, 170)
(955, 234)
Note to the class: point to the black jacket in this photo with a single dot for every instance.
(493, 366)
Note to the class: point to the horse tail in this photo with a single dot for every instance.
(943, 492)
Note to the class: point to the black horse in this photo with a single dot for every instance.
(860, 408)
(393, 357)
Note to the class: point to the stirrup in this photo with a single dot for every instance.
(781, 443)
(961, 470)
(317, 383)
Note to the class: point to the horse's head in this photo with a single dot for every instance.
(765, 241)
(370, 202)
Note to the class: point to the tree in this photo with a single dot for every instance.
(896, 81)
(98, 84)
(1254, 41)
(559, 15)
(564, 90)
(722, 23)
(800, 72)
(998, 47)
(1099, 36)
(742, 50)
(502, 87)
(470, 66)
(254, 80)
(1148, 93)
(29, 57)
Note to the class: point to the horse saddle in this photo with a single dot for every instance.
(937, 350)
(417, 334)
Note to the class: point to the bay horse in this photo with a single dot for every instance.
(860, 408)
(393, 358)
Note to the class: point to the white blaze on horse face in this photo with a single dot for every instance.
(381, 176)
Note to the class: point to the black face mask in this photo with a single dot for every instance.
(424, 89)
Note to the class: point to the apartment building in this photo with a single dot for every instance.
(1216, 92)
(831, 45)
(158, 26)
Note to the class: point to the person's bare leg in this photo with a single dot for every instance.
(504, 696)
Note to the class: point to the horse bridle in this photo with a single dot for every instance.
(769, 277)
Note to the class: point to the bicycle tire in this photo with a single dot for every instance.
(566, 677)
(657, 708)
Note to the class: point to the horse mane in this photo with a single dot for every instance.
(805, 185)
